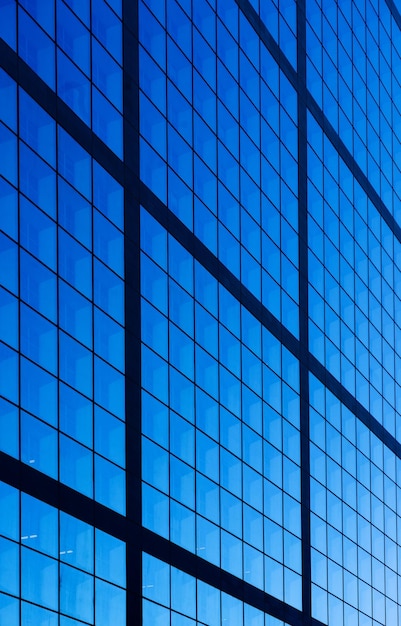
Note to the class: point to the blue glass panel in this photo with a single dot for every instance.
(76, 542)
(109, 292)
(8, 318)
(8, 22)
(108, 195)
(108, 243)
(9, 214)
(76, 593)
(8, 154)
(107, 75)
(75, 364)
(107, 28)
(74, 163)
(76, 415)
(8, 373)
(9, 566)
(75, 314)
(107, 122)
(109, 388)
(75, 264)
(9, 609)
(109, 485)
(110, 604)
(76, 466)
(39, 525)
(38, 286)
(38, 339)
(32, 614)
(110, 558)
(74, 213)
(43, 15)
(38, 445)
(109, 436)
(39, 392)
(9, 425)
(37, 128)
(8, 96)
(73, 87)
(37, 233)
(39, 578)
(37, 180)
(73, 37)
(35, 47)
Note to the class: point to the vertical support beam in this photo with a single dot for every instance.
(132, 307)
(303, 306)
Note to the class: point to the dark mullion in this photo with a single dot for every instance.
(303, 308)
(132, 309)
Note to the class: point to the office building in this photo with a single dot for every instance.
(200, 331)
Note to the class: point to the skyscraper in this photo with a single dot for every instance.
(200, 331)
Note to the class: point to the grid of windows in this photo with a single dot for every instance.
(221, 445)
(219, 142)
(76, 48)
(355, 517)
(354, 306)
(61, 304)
(171, 594)
(199, 312)
(52, 563)
(353, 61)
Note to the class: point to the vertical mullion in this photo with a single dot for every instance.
(303, 307)
(132, 309)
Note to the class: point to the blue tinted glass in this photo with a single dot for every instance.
(74, 163)
(8, 22)
(43, 15)
(75, 264)
(39, 392)
(37, 128)
(39, 525)
(76, 542)
(76, 593)
(109, 388)
(73, 87)
(38, 286)
(110, 604)
(8, 154)
(38, 339)
(73, 37)
(109, 436)
(74, 213)
(107, 28)
(8, 98)
(109, 291)
(9, 214)
(76, 415)
(39, 578)
(109, 340)
(75, 364)
(8, 373)
(38, 445)
(108, 195)
(76, 466)
(9, 424)
(9, 566)
(75, 314)
(82, 9)
(37, 180)
(108, 243)
(8, 318)
(107, 75)
(31, 614)
(37, 233)
(107, 122)
(109, 485)
(35, 47)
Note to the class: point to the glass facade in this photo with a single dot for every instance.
(200, 331)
